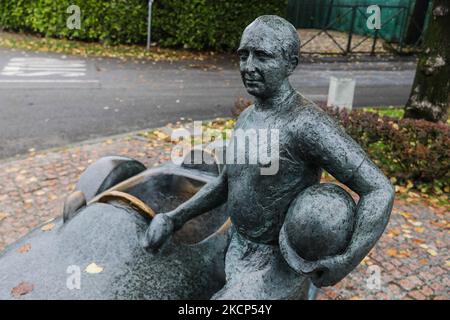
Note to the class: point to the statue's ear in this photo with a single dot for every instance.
(293, 63)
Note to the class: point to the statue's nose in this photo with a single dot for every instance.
(250, 66)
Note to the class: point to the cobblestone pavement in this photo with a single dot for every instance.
(411, 261)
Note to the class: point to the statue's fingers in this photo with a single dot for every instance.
(309, 268)
(151, 239)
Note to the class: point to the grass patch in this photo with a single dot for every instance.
(392, 112)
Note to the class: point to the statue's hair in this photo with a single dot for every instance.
(288, 35)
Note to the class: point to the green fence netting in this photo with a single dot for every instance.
(348, 15)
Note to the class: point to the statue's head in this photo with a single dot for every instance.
(268, 54)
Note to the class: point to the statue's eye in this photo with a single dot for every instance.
(262, 55)
(243, 55)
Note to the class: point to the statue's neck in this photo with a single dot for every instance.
(276, 100)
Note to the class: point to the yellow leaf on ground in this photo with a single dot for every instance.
(419, 229)
(423, 262)
(419, 241)
(404, 253)
(25, 248)
(394, 232)
(413, 194)
(22, 289)
(93, 268)
(432, 252)
(406, 215)
(416, 223)
(392, 252)
(48, 227)
(365, 260)
(3, 215)
(161, 135)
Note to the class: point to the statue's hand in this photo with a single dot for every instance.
(328, 271)
(159, 231)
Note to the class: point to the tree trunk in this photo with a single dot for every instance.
(417, 21)
(430, 96)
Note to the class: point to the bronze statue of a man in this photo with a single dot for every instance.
(309, 141)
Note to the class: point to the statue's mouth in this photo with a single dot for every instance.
(252, 78)
(252, 81)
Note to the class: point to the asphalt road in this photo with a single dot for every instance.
(49, 100)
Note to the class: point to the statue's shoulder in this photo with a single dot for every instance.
(244, 114)
(308, 113)
(311, 121)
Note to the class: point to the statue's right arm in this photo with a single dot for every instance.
(163, 225)
(212, 195)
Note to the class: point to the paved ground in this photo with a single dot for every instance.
(411, 259)
(317, 41)
(50, 100)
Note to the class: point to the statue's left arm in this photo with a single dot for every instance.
(328, 145)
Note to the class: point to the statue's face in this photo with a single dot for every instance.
(263, 65)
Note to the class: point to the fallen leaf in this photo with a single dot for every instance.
(409, 200)
(419, 229)
(413, 194)
(441, 224)
(22, 289)
(48, 227)
(406, 215)
(418, 241)
(404, 253)
(25, 248)
(3, 215)
(392, 252)
(432, 252)
(423, 262)
(407, 236)
(365, 260)
(93, 268)
(49, 220)
(394, 232)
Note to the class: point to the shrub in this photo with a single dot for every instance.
(195, 24)
(115, 21)
(410, 152)
(415, 152)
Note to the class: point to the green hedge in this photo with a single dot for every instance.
(415, 152)
(195, 24)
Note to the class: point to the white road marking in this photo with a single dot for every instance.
(43, 67)
(47, 81)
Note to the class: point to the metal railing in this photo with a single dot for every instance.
(359, 12)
